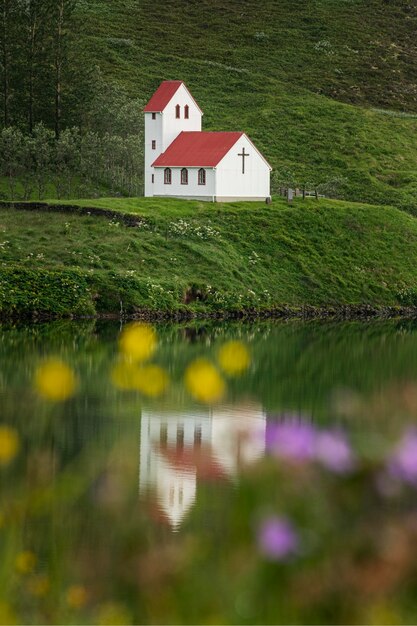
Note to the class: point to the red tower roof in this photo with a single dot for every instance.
(197, 149)
(162, 96)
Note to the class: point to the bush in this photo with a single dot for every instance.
(27, 292)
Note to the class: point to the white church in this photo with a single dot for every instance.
(182, 161)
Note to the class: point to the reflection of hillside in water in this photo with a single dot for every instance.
(178, 450)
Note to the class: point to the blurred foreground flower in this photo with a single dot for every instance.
(7, 615)
(234, 358)
(39, 585)
(25, 562)
(403, 463)
(333, 451)
(291, 440)
(151, 380)
(204, 382)
(76, 596)
(277, 538)
(9, 444)
(113, 614)
(138, 341)
(123, 375)
(54, 380)
(300, 442)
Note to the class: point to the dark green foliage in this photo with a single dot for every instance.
(28, 292)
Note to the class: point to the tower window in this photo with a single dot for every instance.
(180, 436)
(178, 111)
(184, 176)
(197, 436)
(153, 178)
(153, 144)
(167, 176)
(154, 116)
(186, 112)
(163, 435)
(201, 176)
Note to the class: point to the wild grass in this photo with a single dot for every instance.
(239, 256)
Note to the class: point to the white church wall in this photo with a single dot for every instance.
(153, 132)
(172, 126)
(192, 190)
(231, 183)
(238, 435)
(176, 491)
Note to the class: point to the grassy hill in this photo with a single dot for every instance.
(192, 257)
(326, 88)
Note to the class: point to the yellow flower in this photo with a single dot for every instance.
(76, 596)
(204, 382)
(25, 562)
(123, 375)
(151, 380)
(39, 585)
(54, 380)
(234, 358)
(138, 341)
(7, 615)
(113, 614)
(9, 444)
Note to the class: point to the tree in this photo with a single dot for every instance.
(11, 152)
(62, 15)
(35, 59)
(6, 46)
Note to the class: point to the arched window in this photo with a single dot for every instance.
(178, 111)
(186, 112)
(167, 176)
(201, 177)
(184, 176)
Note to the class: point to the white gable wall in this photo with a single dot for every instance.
(171, 126)
(231, 184)
(192, 190)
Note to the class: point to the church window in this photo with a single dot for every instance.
(178, 111)
(163, 435)
(201, 176)
(197, 436)
(186, 111)
(153, 144)
(180, 436)
(153, 178)
(184, 176)
(167, 176)
(154, 116)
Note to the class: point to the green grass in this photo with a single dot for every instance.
(203, 257)
(306, 82)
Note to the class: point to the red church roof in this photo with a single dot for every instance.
(189, 459)
(197, 149)
(162, 96)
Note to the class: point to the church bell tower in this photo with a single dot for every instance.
(170, 111)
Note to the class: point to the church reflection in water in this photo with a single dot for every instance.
(178, 450)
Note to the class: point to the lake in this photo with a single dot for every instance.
(208, 473)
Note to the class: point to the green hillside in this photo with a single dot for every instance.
(192, 257)
(320, 85)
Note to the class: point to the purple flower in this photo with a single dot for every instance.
(403, 463)
(291, 440)
(334, 452)
(277, 538)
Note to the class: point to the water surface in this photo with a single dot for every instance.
(134, 508)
